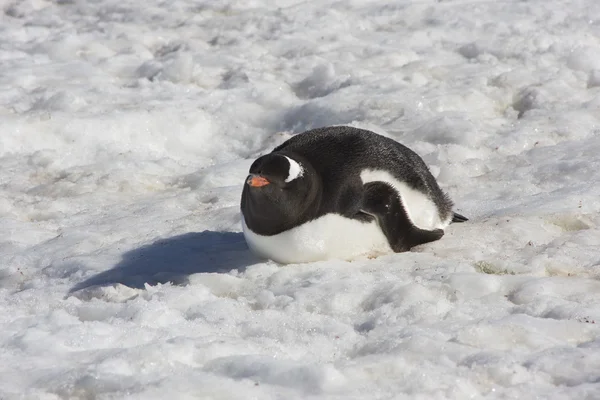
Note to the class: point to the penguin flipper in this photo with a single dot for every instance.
(383, 202)
(459, 218)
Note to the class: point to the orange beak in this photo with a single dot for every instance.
(257, 181)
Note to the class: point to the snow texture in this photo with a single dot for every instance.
(127, 129)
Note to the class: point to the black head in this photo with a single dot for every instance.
(277, 193)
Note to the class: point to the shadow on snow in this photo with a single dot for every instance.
(174, 259)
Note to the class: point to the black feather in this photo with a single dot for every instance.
(459, 218)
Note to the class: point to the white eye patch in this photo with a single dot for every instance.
(295, 171)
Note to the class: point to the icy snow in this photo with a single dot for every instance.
(126, 132)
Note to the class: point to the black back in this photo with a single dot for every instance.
(333, 158)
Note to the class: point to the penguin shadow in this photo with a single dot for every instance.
(174, 259)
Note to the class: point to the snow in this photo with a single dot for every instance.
(127, 130)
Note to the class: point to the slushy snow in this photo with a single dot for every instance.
(127, 129)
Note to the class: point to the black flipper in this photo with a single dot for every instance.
(459, 218)
(383, 202)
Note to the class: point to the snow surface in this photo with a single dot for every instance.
(126, 131)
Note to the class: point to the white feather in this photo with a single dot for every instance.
(295, 170)
(328, 237)
(421, 210)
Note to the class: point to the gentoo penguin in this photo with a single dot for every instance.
(341, 192)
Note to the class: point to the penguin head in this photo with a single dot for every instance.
(275, 169)
(278, 189)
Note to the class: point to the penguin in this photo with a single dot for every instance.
(341, 192)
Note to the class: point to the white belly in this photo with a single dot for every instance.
(328, 237)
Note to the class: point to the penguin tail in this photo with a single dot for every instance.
(459, 218)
